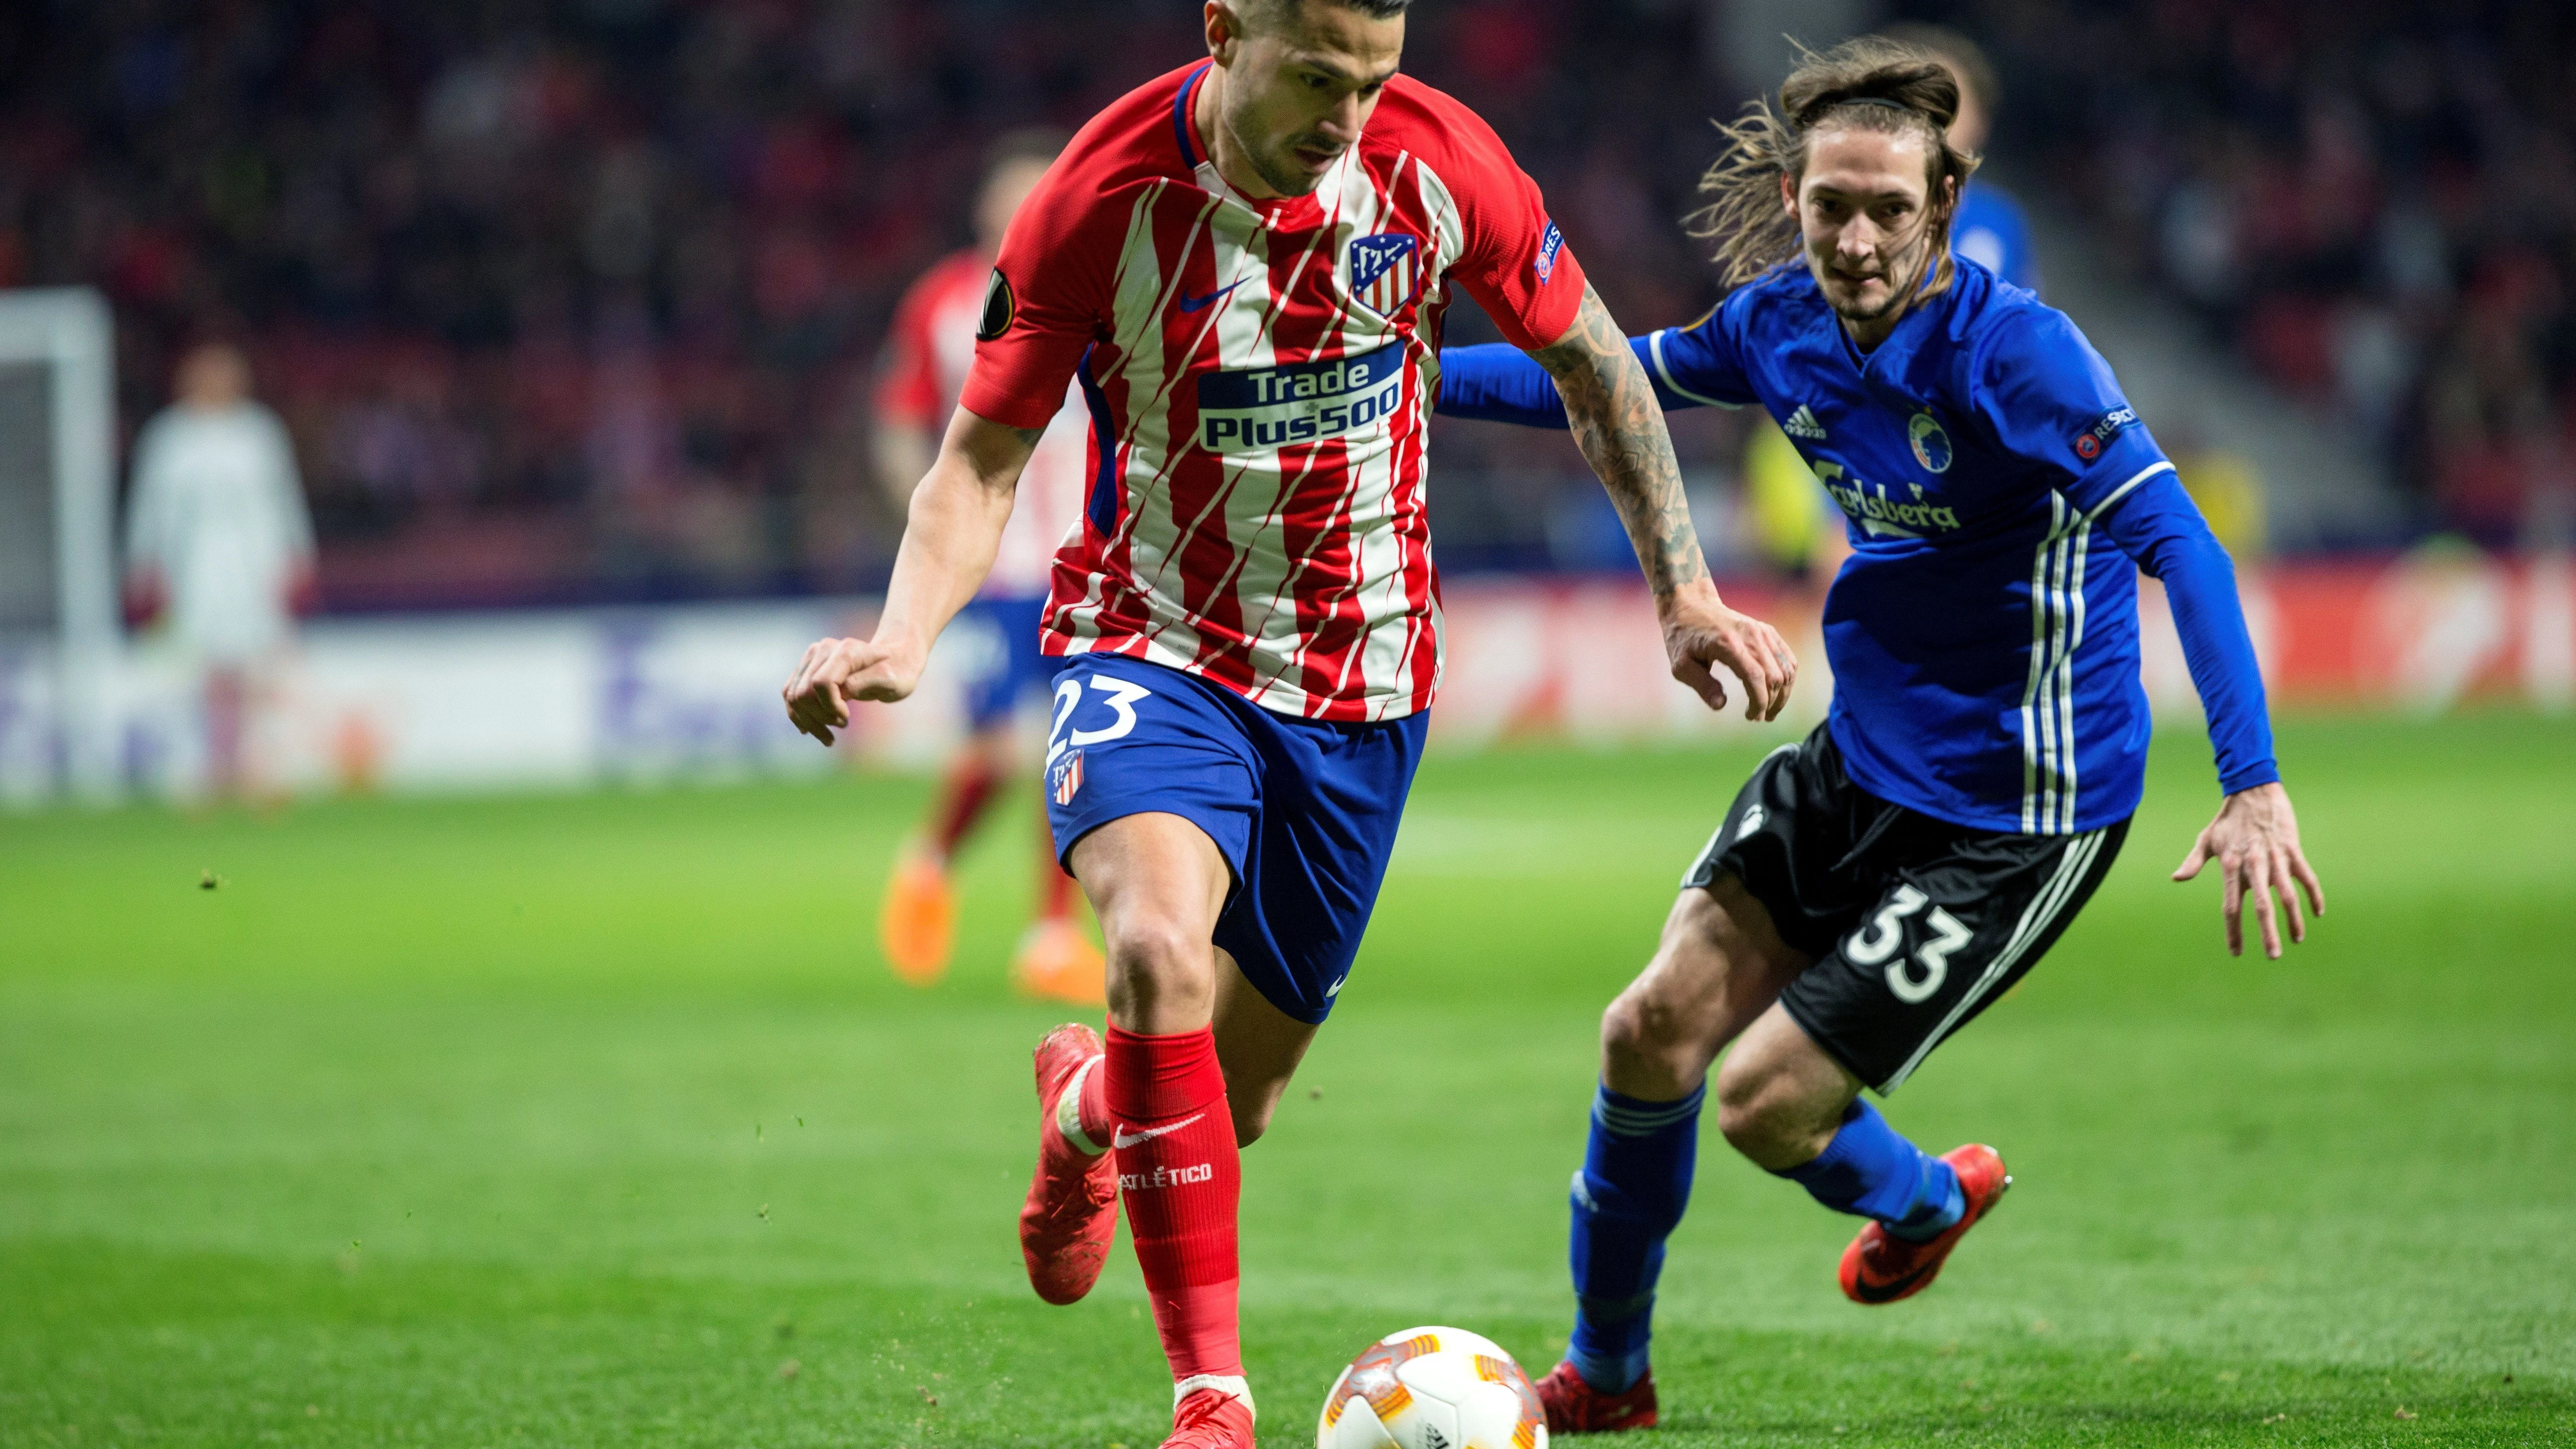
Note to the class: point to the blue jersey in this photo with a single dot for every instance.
(1983, 637)
(1990, 231)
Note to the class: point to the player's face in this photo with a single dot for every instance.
(1300, 83)
(1861, 211)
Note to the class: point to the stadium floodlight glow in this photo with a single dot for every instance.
(57, 517)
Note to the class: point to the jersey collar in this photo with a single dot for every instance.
(1183, 133)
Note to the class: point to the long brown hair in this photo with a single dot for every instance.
(1868, 84)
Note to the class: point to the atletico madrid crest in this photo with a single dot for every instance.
(1386, 270)
(1064, 778)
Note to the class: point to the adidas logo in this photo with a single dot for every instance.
(1803, 424)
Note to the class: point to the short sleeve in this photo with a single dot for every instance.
(2050, 399)
(908, 368)
(1046, 303)
(1514, 261)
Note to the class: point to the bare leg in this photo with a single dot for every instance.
(227, 711)
(1780, 1098)
(1260, 1047)
(1720, 964)
(1157, 883)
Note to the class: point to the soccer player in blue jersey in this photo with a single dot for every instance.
(1877, 885)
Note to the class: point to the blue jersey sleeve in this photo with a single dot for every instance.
(2049, 399)
(2157, 525)
(1498, 383)
(1690, 367)
(2053, 401)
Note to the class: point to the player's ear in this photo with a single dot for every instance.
(1789, 195)
(1224, 31)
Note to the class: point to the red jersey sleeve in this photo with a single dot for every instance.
(1047, 301)
(1515, 263)
(908, 367)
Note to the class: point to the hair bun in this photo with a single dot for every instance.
(1872, 72)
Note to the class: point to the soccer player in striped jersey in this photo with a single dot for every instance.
(1876, 886)
(1243, 265)
(928, 352)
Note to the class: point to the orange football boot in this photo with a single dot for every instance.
(917, 925)
(1211, 1419)
(1575, 1407)
(1072, 1209)
(1056, 962)
(1880, 1267)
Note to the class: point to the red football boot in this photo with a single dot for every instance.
(1575, 1407)
(1880, 1267)
(1072, 1210)
(1211, 1419)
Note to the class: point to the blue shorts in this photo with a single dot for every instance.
(1003, 661)
(1304, 810)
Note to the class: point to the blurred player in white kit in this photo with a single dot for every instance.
(218, 539)
(927, 355)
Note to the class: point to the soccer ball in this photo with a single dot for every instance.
(1432, 1388)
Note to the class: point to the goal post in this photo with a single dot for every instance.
(58, 520)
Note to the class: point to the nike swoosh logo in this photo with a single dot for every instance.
(1196, 304)
(1124, 1138)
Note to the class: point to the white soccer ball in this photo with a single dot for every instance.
(1432, 1388)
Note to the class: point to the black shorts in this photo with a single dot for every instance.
(1916, 924)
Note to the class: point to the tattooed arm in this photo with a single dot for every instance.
(1619, 424)
(950, 535)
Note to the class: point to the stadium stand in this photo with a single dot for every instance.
(575, 301)
(2374, 204)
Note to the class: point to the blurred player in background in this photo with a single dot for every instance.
(1244, 264)
(218, 538)
(1875, 887)
(927, 357)
(1989, 228)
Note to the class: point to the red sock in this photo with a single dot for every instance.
(1055, 888)
(1182, 1181)
(962, 798)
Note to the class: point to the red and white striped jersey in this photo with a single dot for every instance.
(1259, 375)
(928, 353)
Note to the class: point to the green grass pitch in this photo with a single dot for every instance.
(595, 1121)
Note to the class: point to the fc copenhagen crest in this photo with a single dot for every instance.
(1931, 445)
(1386, 270)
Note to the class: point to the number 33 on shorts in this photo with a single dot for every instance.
(1913, 978)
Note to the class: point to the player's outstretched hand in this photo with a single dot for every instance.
(2255, 839)
(1700, 631)
(836, 671)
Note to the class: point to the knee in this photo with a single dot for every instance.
(1645, 1044)
(1156, 965)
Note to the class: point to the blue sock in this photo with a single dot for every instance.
(1635, 1181)
(1871, 1171)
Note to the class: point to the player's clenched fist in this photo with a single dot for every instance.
(1700, 632)
(836, 671)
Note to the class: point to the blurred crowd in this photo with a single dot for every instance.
(579, 299)
(2374, 202)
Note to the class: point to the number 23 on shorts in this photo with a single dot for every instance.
(1118, 694)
